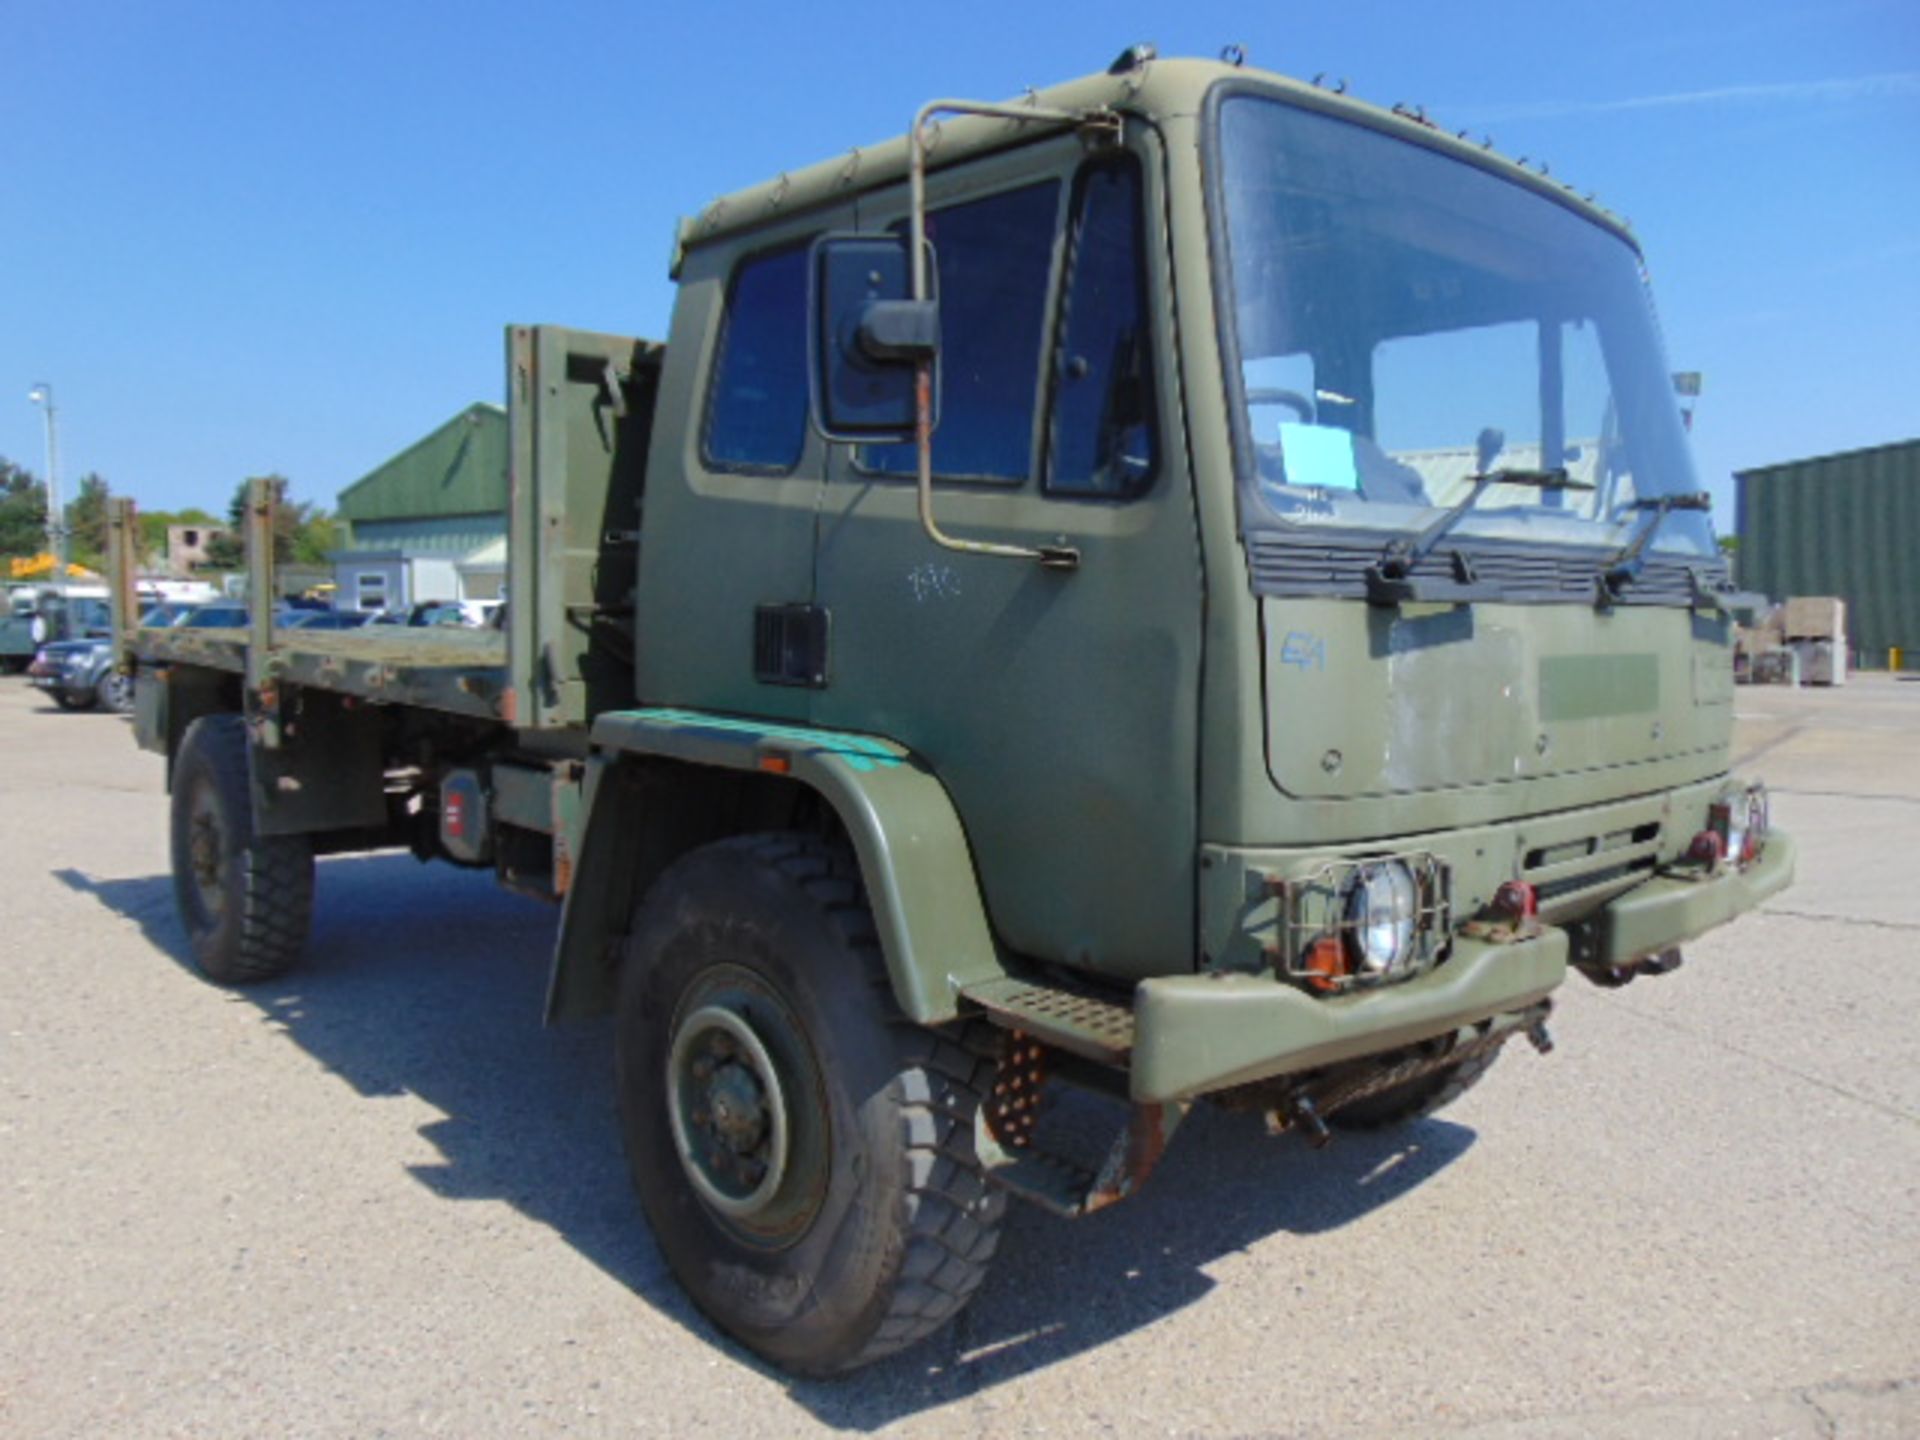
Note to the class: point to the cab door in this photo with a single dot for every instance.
(1059, 707)
(734, 482)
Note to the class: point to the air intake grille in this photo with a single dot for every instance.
(1336, 563)
(1571, 875)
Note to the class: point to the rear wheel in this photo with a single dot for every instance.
(804, 1154)
(245, 899)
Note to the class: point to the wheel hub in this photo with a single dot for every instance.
(737, 1102)
(205, 842)
(729, 1112)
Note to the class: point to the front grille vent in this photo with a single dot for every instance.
(1572, 875)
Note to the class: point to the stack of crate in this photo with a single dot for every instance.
(1815, 629)
(1759, 650)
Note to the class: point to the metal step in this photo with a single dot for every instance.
(1054, 1183)
(1077, 1019)
(1066, 1187)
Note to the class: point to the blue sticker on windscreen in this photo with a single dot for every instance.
(1319, 455)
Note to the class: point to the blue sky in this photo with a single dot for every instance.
(246, 237)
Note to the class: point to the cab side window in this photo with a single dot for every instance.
(1101, 436)
(995, 257)
(757, 403)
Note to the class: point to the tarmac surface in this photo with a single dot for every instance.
(378, 1198)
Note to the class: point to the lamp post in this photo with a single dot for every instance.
(42, 395)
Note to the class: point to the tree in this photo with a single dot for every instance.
(23, 511)
(225, 551)
(87, 523)
(319, 537)
(303, 533)
(153, 531)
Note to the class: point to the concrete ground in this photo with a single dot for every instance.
(379, 1199)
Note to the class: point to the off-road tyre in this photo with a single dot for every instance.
(245, 900)
(883, 1229)
(1416, 1099)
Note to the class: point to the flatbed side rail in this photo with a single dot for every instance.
(262, 501)
(459, 671)
(123, 536)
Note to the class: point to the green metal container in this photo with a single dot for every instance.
(1846, 525)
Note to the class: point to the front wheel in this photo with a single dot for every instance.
(804, 1154)
(244, 899)
(115, 692)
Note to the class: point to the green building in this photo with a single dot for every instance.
(431, 523)
(1846, 525)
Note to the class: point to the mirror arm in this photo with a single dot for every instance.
(1054, 557)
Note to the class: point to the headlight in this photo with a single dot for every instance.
(1382, 912)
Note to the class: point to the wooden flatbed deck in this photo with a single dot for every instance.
(461, 671)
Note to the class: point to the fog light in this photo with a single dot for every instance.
(1739, 822)
(1759, 821)
(1708, 849)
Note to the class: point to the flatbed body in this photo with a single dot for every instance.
(459, 671)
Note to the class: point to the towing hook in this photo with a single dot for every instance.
(1664, 963)
(1609, 977)
(1306, 1116)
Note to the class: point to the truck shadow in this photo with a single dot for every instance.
(443, 1001)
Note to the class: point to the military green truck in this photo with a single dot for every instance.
(1185, 586)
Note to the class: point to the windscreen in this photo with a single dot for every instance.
(1405, 321)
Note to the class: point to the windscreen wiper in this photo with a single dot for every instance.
(1390, 578)
(1623, 569)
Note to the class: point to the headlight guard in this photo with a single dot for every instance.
(1365, 920)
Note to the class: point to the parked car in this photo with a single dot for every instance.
(164, 614)
(425, 612)
(81, 675)
(223, 615)
(480, 613)
(324, 620)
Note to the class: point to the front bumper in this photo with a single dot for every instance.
(1195, 1033)
(1668, 910)
(1198, 1033)
(73, 685)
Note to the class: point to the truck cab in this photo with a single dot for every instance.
(1393, 606)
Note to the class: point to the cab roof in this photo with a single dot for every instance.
(1151, 88)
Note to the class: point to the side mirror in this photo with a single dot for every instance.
(866, 337)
